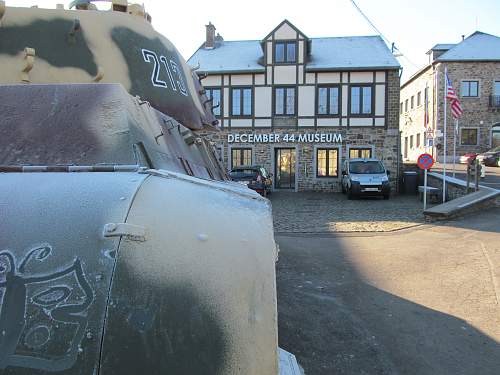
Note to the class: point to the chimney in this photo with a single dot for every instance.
(210, 42)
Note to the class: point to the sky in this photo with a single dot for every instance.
(413, 25)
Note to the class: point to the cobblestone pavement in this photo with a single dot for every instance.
(311, 212)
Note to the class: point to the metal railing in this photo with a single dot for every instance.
(495, 101)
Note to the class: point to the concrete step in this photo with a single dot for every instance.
(482, 198)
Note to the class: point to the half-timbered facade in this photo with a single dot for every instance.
(299, 106)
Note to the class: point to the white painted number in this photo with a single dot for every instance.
(150, 56)
(174, 73)
(180, 81)
(165, 64)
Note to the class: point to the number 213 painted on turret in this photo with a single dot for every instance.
(172, 68)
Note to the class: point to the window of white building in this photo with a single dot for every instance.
(361, 100)
(328, 100)
(284, 101)
(241, 101)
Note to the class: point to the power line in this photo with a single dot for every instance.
(370, 22)
(393, 46)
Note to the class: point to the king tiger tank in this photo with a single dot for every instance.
(124, 249)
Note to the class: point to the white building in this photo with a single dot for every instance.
(299, 106)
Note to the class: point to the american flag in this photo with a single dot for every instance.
(456, 108)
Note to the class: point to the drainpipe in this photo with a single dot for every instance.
(398, 172)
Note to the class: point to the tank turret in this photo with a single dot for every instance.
(124, 249)
(84, 45)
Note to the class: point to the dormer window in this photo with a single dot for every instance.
(285, 52)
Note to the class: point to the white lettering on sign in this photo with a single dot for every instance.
(286, 138)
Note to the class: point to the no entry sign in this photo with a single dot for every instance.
(425, 161)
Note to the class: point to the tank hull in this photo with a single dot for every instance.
(152, 272)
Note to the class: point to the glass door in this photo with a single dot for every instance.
(495, 136)
(284, 168)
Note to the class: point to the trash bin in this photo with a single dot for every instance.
(410, 185)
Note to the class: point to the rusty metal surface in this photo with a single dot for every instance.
(56, 267)
(85, 124)
(64, 124)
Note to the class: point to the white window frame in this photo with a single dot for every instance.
(339, 158)
(460, 136)
(349, 147)
(238, 146)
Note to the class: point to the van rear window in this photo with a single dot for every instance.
(366, 167)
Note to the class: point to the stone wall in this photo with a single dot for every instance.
(477, 110)
(383, 138)
(453, 191)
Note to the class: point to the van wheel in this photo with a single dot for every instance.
(386, 196)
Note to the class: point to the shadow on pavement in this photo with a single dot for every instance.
(335, 322)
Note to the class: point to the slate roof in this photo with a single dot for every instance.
(443, 46)
(477, 47)
(229, 57)
(353, 53)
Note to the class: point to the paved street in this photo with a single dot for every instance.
(418, 301)
(492, 178)
(332, 212)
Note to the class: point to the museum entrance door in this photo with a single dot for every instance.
(284, 168)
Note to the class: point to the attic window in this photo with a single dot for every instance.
(285, 52)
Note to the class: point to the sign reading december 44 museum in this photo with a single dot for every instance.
(290, 138)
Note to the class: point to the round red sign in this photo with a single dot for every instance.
(425, 161)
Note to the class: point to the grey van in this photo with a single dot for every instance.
(366, 176)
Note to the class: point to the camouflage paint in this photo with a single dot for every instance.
(55, 269)
(166, 99)
(52, 43)
(89, 124)
(85, 46)
(160, 329)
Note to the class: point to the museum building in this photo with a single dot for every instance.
(300, 106)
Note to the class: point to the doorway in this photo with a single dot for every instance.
(284, 168)
(495, 136)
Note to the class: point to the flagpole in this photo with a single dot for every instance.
(444, 133)
(426, 114)
(455, 131)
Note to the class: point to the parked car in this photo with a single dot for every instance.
(468, 158)
(366, 176)
(490, 158)
(255, 177)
